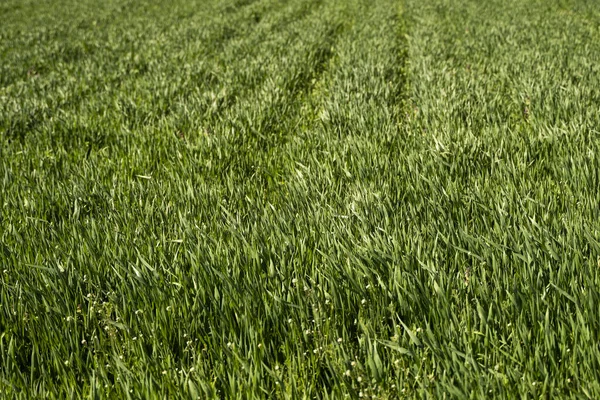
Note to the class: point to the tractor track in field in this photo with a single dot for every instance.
(387, 86)
(269, 131)
(294, 113)
(247, 51)
(296, 87)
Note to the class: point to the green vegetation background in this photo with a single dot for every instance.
(299, 198)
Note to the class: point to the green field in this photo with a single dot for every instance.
(300, 199)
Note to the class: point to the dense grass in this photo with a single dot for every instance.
(299, 198)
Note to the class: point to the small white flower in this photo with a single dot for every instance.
(340, 340)
(359, 379)
(164, 372)
(289, 321)
(294, 281)
(84, 342)
(347, 373)
(363, 301)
